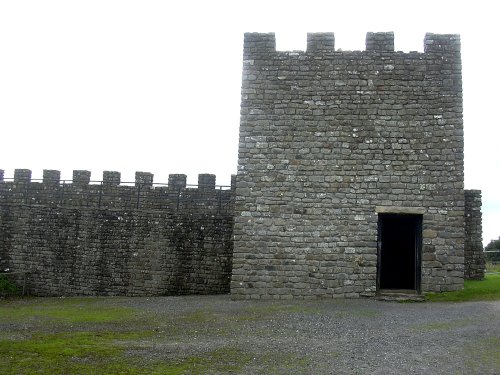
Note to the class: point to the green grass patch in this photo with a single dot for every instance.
(65, 310)
(443, 326)
(366, 313)
(65, 336)
(104, 353)
(89, 347)
(223, 360)
(211, 323)
(490, 267)
(198, 317)
(66, 353)
(483, 355)
(474, 290)
(231, 360)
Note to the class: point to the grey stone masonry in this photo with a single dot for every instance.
(332, 144)
(111, 178)
(84, 238)
(474, 255)
(326, 138)
(80, 177)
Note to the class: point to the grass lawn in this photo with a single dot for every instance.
(98, 336)
(490, 267)
(59, 335)
(484, 290)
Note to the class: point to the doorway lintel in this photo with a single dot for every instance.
(400, 210)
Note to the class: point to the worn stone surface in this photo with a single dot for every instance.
(328, 136)
(474, 255)
(108, 239)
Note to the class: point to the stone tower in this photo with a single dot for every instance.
(350, 178)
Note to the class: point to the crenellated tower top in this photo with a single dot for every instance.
(256, 43)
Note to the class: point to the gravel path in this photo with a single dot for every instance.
(215, 335)
(329, 337)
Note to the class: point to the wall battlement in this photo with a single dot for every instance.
(82, 177)
(110, 193)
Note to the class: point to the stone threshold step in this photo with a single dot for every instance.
(400, 296)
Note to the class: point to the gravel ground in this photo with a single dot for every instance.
(328, 336)
(216, 335)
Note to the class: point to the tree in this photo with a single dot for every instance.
(493, 246)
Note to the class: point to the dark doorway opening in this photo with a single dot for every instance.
(399, 251)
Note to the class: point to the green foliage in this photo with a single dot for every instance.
(493, 245)
(493, 254)
(474, 290)
(64, 310)
(8, 287)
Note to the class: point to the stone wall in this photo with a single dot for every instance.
(81, 238)
(330, 138)
(328, 141)
(474, 255)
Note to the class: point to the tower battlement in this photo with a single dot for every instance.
(256, 43)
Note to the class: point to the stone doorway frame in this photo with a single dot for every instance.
(405, 212)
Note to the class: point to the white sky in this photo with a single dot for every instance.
(155, 85)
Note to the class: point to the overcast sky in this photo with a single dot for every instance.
(155, 85)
